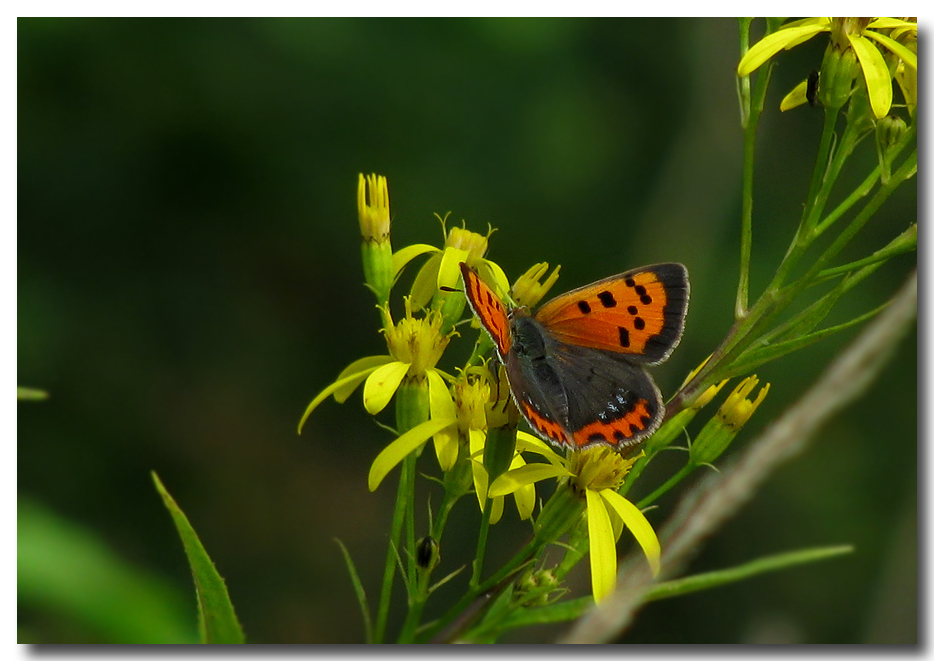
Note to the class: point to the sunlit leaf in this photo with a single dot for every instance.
(216, 618)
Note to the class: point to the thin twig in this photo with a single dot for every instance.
(706, 507)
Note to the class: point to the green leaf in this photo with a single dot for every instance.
(714, 579)
(904, 242)
(360, 592)
(217, 621)
(68, 573)
(563, 611)
(31, 394)
(572, 609)
(805, 321)
(752, 358)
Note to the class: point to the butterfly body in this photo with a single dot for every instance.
(575, 368)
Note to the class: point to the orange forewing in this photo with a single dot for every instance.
(619, 314)
(488, 308)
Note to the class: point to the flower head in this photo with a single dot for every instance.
(587, 483)
(373, 212)
(737, 409)
(528, 291)
(854, 46)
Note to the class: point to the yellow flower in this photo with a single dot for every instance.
(373, 212)
(415, 346)
(722, 428)
(589, 480)
(737, 409)
(861, 36)
(527, 290)
(442, 270)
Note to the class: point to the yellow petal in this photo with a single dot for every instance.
(449, 273)
(497, 512)
(335, 387)
(481, 478)
(381, 385)
(602, 547)
(903, 52)
(360, 368)
(441, 405)
(497, 274)
(405, 255)
(525, 442)
(423, 288)
(639, 526)
(876, 73)
(524, 496)
(400, 448)
(885, 23)
(768, 46)
(513, 480)
(796, 97)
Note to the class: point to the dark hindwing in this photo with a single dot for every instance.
(610, 400)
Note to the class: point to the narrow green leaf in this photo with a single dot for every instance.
(572, 609)
(751, 359)
(805, 321)
(217, 621)
(562, 611)
(32, 394)
(358, 589)
(720, 577)
(904, 242)
(69, 573)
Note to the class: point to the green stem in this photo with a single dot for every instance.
(389, 571)
(907, 170)
(749, 148)
(481, 543)
(531, 549)
(422, 589)
(669, 483)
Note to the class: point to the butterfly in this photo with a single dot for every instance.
(576, 367)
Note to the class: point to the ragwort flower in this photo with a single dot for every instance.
(859, 36)
(415, 346)
(588, 482)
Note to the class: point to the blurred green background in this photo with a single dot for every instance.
(189, 278)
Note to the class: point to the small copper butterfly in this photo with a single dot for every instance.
(576, 368)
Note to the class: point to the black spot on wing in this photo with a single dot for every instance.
(623, 337)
